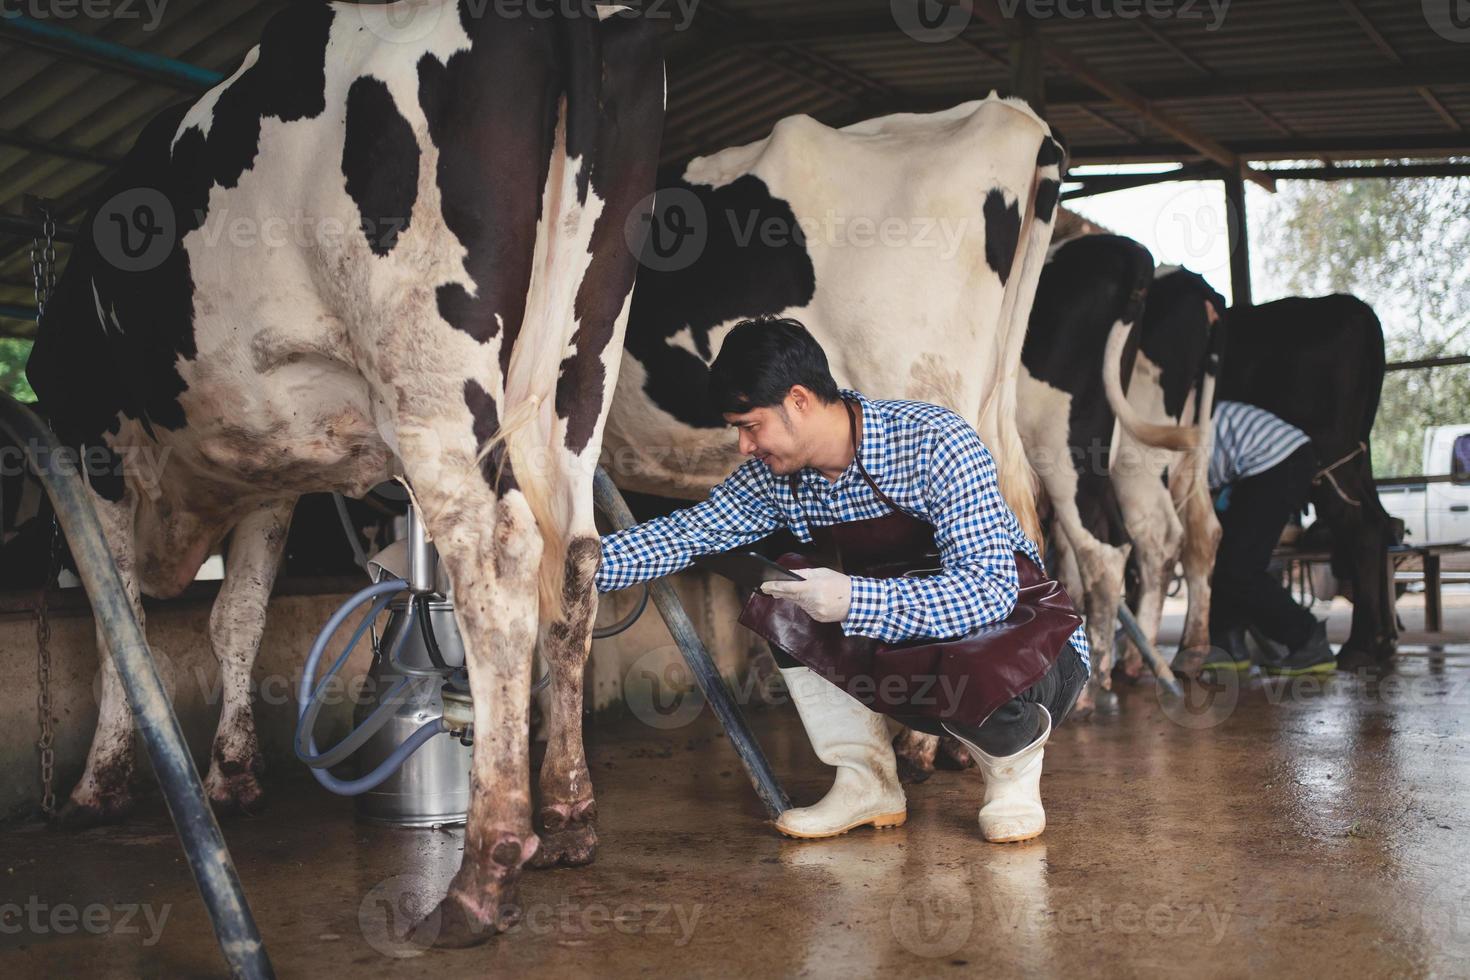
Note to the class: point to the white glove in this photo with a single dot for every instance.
(823, 594)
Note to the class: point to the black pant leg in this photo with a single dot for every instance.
(1015, 724)
(1243, 593)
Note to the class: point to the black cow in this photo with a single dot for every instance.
(1318, 364)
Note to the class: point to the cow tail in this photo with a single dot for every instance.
(1017, 480)
(1179, 437)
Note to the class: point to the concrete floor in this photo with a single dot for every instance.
(1261, 829)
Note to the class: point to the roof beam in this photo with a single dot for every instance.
(1341, 148)
(20, 141)
(1382, 44)
(1124, 95)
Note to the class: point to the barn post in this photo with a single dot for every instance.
(1239, 239)
(1028, 79)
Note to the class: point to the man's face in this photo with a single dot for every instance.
(774, 435)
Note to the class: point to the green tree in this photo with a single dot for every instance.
(1403, 247)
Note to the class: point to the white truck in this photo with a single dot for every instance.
(1436, 513)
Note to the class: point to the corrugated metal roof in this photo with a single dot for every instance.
(1274, 78)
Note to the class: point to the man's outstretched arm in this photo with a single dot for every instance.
(737, 512)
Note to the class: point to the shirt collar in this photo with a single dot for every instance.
(872, 449)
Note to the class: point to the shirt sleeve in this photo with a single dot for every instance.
(979, 583)
(739, 510)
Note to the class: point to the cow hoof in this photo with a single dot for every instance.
(1352, 659)
(953, 754)
(76, 816)
(910, 772)
(453, 926)
(568, 835)
(238, 795)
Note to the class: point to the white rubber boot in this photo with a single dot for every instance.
(1012, 808)
(849, 736)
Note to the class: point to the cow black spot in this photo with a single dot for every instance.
(621, 167)
(1049, 154)
(495, 467)
(380, 159)
(1002, 232)
(742, 272)
(1047, 193)
(1176, 335)
(504, 84)
(85, 375)
(1087, 285)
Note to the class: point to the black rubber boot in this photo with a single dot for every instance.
(1228, 651)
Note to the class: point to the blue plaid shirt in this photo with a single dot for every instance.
(928, 460)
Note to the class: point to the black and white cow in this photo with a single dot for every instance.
(1318, 363)
(392, 241)
(1163, 491)
(1083, 330)
(910, 245)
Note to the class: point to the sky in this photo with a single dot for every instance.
(1181, 223)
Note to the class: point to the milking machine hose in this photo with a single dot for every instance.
(204, 845)
(310, 701)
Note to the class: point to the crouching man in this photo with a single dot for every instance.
(882, 489)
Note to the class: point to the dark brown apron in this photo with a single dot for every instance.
(961, 680)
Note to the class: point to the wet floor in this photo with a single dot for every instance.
(1282, 829)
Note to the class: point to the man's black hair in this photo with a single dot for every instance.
(761, 360)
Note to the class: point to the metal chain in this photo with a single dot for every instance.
(43, 275)
(43, 673)
(43, 262)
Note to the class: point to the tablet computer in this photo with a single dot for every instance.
(745, 568)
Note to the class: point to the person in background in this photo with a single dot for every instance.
(1261, 471)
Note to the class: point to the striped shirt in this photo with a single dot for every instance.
(929, 461)
(1248, 441)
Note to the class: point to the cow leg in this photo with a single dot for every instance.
(915, 752)
(1098, 569)
(567, 812)
(105, 792)
(236, 624)
(1360, 540)
(1201, 542)
(1156, 532)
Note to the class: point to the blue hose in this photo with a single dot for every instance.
(310, 705)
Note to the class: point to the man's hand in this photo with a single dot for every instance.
(823, 594)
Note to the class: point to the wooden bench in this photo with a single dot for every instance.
(1428, 555)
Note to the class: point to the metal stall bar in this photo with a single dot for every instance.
(109, 55)
(204, 845)
(1156, 663)
(610, 501)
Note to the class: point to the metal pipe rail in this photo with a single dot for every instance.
(610, 501)
(204, 845)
